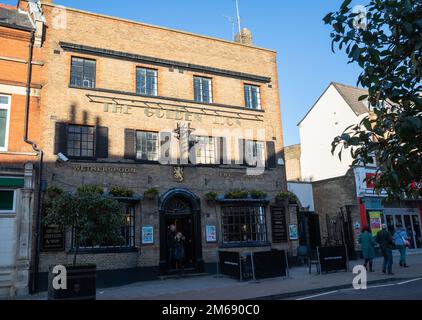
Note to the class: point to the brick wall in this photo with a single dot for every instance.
(331, 195)
(292, 159)
(13, 77)
(61, 103)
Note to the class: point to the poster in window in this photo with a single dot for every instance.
(211, 233)
(375, 221)
(293, 232)
(147, 235)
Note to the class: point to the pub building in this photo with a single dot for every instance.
(120, 96)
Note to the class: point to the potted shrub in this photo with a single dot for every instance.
(92, 217)
(90, 188)
(211, 197)
(237, 194)
(53, 192)
(285, 198)
(121, 192)
(257, 194)
(151, 193)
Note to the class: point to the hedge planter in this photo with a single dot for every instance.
(81, 284)
(150, 196)
(282, 202)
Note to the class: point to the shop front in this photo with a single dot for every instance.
(375, 210)
(409, 219)
(394, 216)
(241, 225)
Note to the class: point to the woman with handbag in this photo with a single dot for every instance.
(401, 241)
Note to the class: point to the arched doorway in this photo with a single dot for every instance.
(182, 208)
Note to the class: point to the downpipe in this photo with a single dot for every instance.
(35, 263)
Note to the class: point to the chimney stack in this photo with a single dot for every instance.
(245, 37)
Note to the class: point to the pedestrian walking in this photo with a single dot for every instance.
(401, 240)
(367, 243)
(179, 252)
(385, 240)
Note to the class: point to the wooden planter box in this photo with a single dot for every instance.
(282, 202)
(81, 284)
(149, 196)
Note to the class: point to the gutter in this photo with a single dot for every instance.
(35, 264)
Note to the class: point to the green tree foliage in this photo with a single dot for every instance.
(91, 215)
(386, 43)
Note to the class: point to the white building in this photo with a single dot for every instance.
(303, 191)
(336, 109)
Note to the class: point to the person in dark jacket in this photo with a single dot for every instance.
(179, 251)
(385, 240)
(367, 243)
(171, 238)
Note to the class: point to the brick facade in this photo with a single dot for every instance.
(18, 159)
(333, 197)
(13, 77)
(292, 158)
(119, 47)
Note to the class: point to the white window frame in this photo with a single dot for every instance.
(158, 145)
(203, 158)
(250, 88)
(250, 147)
(7, 108)
(201, 88)
(14, 203)
(155, 89)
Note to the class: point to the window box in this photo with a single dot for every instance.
(151, 194)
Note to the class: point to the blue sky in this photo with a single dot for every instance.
(293, 28)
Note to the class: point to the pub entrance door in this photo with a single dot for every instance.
(183, 224)
(180, 208)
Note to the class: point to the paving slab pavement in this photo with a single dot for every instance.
(213, 288)
(224, 288)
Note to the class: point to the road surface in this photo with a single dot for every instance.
(402, 290)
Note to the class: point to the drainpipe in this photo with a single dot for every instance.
(35, 264)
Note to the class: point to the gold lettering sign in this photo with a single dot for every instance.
(189, 117)
(101, 169)
(177, 115)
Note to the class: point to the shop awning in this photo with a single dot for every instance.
(11, 182)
